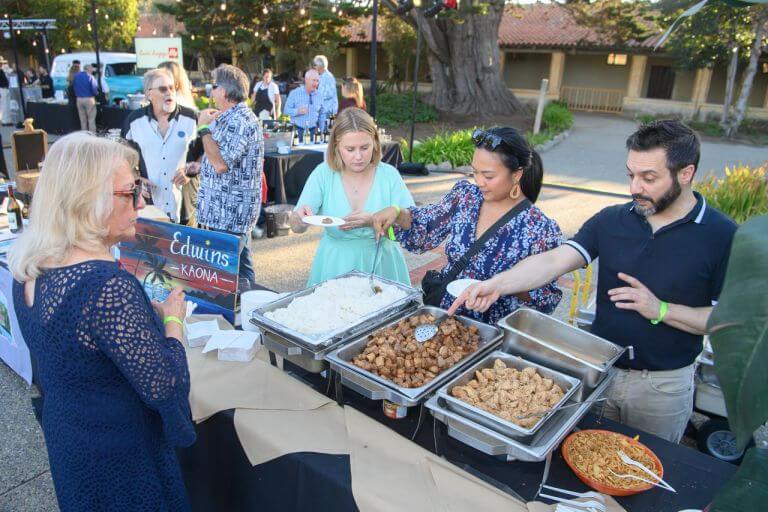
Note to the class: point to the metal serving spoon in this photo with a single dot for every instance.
(426, 332)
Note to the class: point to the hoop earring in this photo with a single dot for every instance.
(515, 192)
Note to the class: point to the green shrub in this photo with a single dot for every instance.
(395, 109)
(742, 194)
(645, 118)
(710, 128)
(557, 118)
(535, 139)
(456, 148)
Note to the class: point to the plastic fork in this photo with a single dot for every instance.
(641, 479)
(626, 459)
(596, 501)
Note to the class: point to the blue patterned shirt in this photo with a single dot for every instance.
(300, 98)
(327, 90)
(454, 219)
(231, 201)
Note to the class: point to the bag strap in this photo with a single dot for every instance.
(480, 242)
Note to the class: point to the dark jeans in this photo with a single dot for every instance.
(246, 274)
(300, 131)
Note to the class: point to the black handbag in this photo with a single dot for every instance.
(433, 285)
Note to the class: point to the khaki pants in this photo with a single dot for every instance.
(657, 402)
(189, 202)
(86, 109)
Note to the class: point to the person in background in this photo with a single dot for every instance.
(305, 105)
(30, 78)
(230, 173)
(508, 177)
(189, 190)
(184, 96)
(352, 94)
(663, 258)
(110, 364)
(104, 100)
(45, 81)
(163, 132)
(4, 89)
(327, 90)
(353, 183)
(265, 97)
(85, 90)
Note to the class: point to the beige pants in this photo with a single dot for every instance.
(657, 402)
(86, 109)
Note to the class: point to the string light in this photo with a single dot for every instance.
(154, 32)
(122, 24)
(302, 11)
(79, 42)
(333, 9)
(265, 10)
(223, 6)
(233, 32)
(138, 29)
(211, 38)
(256, 34)
(193, 37)
(34, 43)
(341, 13)
(171, 34)
(282, 29)
(46, 51)
(106, 16)
(62, 51)
(97, 10)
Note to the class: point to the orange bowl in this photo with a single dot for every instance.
(603, 487)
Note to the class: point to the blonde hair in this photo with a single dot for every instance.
(181, 81)
(352, 120)
(73, 200)
(352, 88)
(73, 70)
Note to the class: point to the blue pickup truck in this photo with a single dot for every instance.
(119, 71)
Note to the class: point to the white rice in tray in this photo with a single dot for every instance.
(335, 304)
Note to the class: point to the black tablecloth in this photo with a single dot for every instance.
(219, 476)
(287, 174)
(60, 119)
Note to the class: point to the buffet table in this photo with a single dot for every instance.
(61, 118)
(287, 173)
(219, 474)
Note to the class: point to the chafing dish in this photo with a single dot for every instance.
(308, 351)
(494, 443)
(547, 341)
(568, 384)
(375, 387)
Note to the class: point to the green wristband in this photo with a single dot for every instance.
(202, 127)
(391, 230)
(662, 312)
(174, 319)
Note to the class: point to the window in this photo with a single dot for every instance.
(617, 59)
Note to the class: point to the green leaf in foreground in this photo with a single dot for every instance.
(739, 327)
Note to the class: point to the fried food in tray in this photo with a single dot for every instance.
(509, 393)
(595, 452)
(394, 354)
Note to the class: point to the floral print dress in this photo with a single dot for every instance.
(454, 220)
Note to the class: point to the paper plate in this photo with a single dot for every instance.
(317, 220)
(456, 287)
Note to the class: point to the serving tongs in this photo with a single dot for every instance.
(626, 459)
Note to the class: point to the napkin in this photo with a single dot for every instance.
(198, 333)
(234, 345)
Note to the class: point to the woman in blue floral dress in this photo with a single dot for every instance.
(507, 171)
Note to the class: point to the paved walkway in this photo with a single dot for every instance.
(594, 154)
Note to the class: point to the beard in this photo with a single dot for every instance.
(169, 107)
(660, 204)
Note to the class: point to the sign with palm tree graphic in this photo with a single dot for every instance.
(204, 263)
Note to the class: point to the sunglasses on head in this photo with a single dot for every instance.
(215, 86)
(482, 138)
(134, 193)
(165, 89)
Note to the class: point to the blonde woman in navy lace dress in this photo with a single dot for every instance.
(114, 378)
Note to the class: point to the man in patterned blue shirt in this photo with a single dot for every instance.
(327, 90)
(230, 173)
(305, 105)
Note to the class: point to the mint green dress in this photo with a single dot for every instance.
(343, 251)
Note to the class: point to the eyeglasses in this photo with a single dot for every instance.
(482, 138)
(134, 193)
(165, 89)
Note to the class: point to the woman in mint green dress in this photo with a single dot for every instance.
(353, 183)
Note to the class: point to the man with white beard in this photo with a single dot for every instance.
(164, 133)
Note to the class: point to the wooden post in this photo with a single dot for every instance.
(540, 105)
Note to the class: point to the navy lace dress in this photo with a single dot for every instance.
(454, 220)
(116, 390)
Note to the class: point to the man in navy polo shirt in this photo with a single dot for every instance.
(663, 258)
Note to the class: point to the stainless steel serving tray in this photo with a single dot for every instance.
(309, 351)
(375, 387)
(491, 442)
(545, 340)
(568, 384)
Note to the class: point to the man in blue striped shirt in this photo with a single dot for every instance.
(305, 105)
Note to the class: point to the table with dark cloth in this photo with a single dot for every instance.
(219, 476)
(60, 119)
(287, 174)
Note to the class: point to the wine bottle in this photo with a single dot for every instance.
(15, 220)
